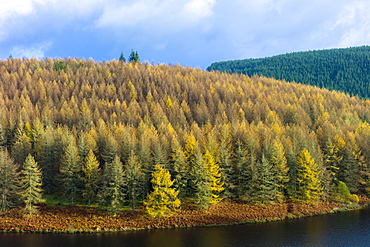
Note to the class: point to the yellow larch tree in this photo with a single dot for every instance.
(162, 201)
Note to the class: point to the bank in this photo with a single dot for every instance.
(79, 219)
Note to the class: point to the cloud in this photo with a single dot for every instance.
(161, 15)
(353, 24)
(33, 51)
(191, 32)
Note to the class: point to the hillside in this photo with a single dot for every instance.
(345, 70)
(257, 139)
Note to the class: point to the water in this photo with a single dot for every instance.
(341, 229)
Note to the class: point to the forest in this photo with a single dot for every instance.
(345, 70)
(117, 134)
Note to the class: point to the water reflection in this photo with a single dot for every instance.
(341, 229)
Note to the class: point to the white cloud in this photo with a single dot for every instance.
(353, 24)
(157, 14)
(34, 51)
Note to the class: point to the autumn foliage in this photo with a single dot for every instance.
(97, 129)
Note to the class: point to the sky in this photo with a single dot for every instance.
(191, 33)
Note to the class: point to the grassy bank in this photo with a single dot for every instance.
(77, 219)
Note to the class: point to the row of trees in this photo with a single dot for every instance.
(345, 70)
(134, 57)
(218, 135)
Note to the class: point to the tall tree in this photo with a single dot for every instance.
(91, 177)
(70, 173)
(162, 201)
(208, 183)
(134, 57)
(134, 178)
(263, 187)
(112, 191)
(9, 180)
(309, 186)
(31, 182)
(280, 167)
(122, 58)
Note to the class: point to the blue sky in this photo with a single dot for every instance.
(189, 32)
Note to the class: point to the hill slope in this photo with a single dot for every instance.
(346, 70)
(191, 122)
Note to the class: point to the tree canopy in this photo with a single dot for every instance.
(344, 70)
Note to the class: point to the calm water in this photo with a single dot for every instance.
(341, 229)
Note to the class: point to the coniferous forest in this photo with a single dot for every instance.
(119, 134)
(345, 70)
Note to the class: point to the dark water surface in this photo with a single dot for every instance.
(340, 229)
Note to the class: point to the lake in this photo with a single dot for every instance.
(340, 229)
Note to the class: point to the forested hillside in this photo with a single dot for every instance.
(97, 130)
(346, 70)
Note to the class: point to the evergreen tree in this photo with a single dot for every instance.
(122, 58)
(70, 173)
(162, 201)
(31, 182)
(309, 186)
(134, 179)
(91, 178)
(263, 187)
(112, 192)
(9, 180)
(243, 170)
(179, 169)
(208, 183)
(134, 57)
(280, 168)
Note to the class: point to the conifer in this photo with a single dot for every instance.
(112, 192)
(9, 180)
(309, 186)
(70, 173)
(162, 201)
(91, 177)
(134, 179)
(31, 183)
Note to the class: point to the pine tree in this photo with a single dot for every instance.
(208, 183)
(134, 179)
(179, 168)
(309, 186)
(112, 192)
(9, 180)
(70, 173)
(122, 58)
(243, 171)
(263, 187)
(31, 182)
(134, 57)
(280, 168)
(91, 178)
(162, 201)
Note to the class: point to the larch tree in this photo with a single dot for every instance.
(9, 180)
(309, 184)
(31, 183)
(162, 201)
(112, 191)
(91, 178)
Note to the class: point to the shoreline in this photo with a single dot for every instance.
(78, 219)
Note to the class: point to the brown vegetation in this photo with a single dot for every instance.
(85, 219)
